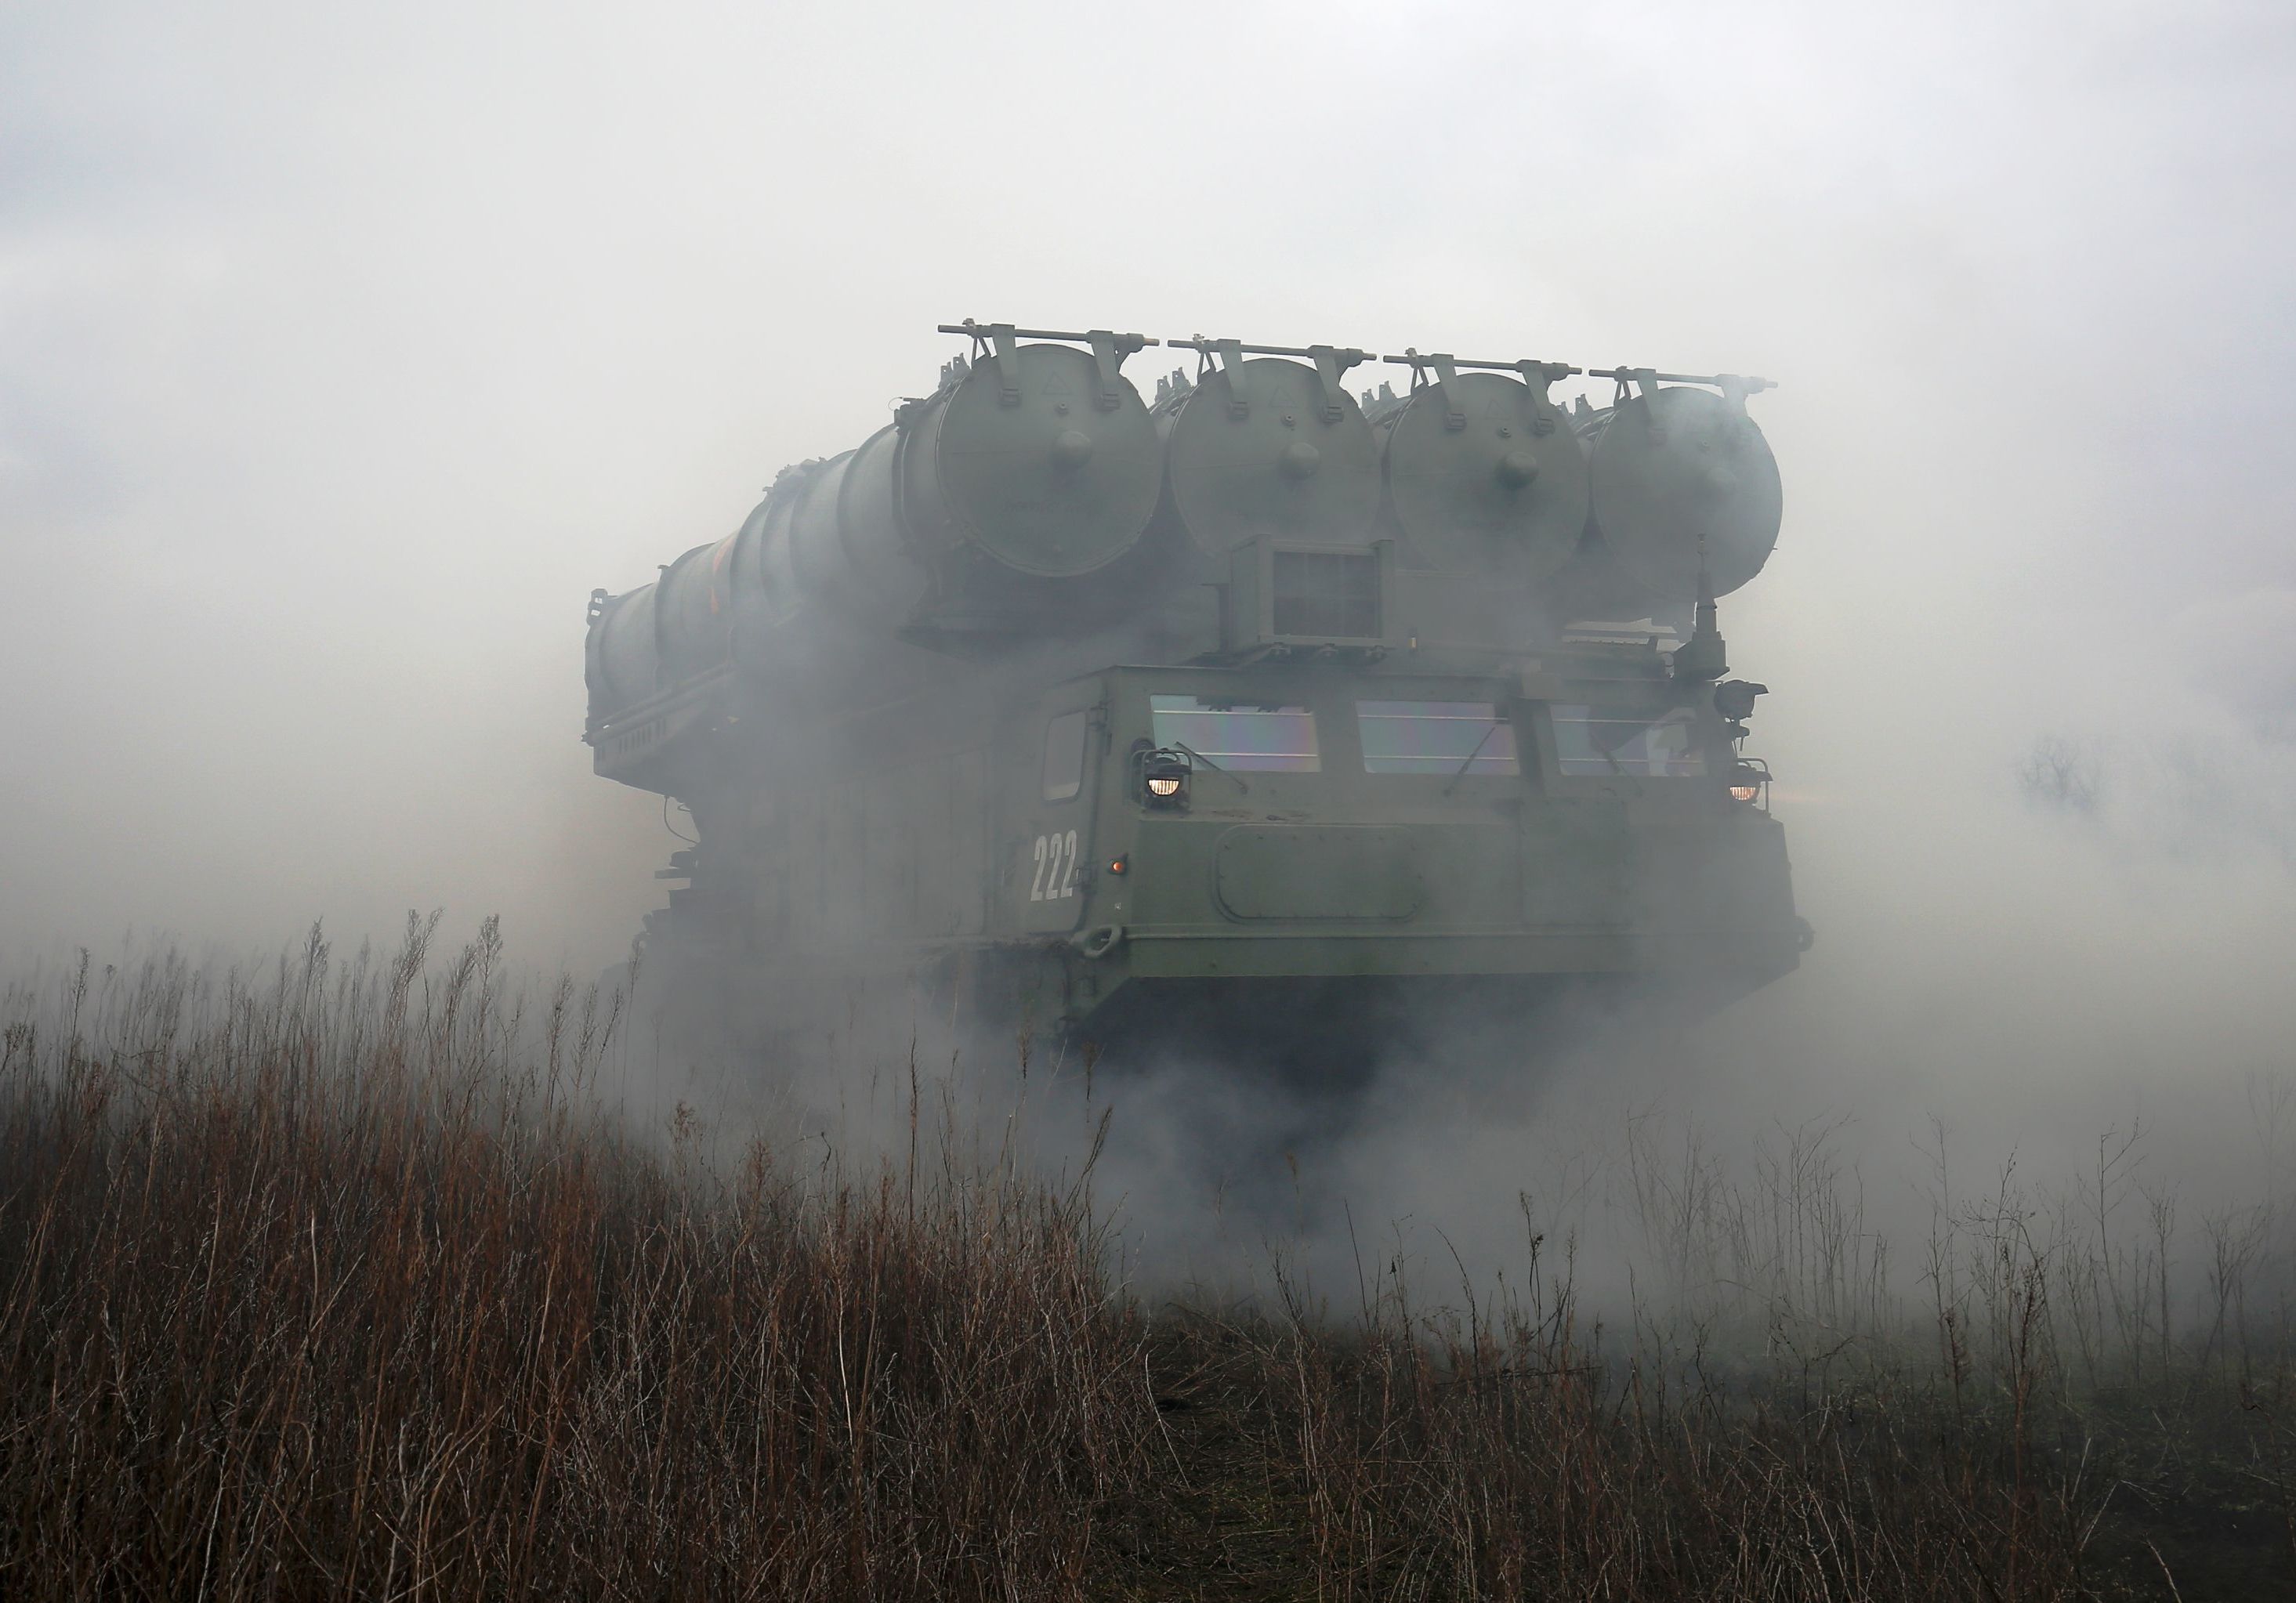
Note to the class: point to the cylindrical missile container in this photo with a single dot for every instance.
(1673, 466)
(1484, 475)
(622, 659)
(1042, 462)
(1268, 446)
(1037, 465)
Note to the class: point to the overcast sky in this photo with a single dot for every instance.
(342, 352)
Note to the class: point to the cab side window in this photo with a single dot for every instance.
(1256, 736)
(1065, 756)
(1597, 742)
(1456, 737)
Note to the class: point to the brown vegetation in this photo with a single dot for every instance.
(336, 1282)
(311, 1289)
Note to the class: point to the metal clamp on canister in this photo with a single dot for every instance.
(1735, 388)
(997, 342)
(1539, 375)
(1332, 363)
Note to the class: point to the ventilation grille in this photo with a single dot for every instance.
(1326, 595)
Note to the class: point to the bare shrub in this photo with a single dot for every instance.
(2062, 774)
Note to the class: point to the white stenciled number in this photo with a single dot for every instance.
(1056, 867)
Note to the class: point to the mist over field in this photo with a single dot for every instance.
(341, 356)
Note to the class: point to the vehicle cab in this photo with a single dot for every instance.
(1583, 814)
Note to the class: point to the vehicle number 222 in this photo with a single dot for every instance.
(1056, 867)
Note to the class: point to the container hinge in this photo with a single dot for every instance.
(1008, 363)
(1546, 416)
(1736, 389)
(1629, 380)
(1446, 376)
(1231, 357)
(1331, 364)
(995, 342)
(1646, 380)
(1447, 370)
(1109, 350)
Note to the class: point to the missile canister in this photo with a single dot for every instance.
(621, 661)
(1040, 460)
(1676, 464)
(1483, 472)
(1266, 447)
(1037, 464)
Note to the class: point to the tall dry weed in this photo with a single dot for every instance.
(334, 1280)
(330, 1283)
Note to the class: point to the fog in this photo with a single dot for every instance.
(341, 356)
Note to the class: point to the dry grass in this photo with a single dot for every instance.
(314, 1286)
(334, 1281)
(2041, 1413)
(1460, 1455)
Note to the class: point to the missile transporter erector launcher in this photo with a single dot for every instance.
(1259, 719)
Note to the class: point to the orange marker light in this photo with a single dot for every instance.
(1117, 865)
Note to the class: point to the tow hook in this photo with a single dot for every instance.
(1099, 942)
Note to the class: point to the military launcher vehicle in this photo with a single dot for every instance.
(1260, 718)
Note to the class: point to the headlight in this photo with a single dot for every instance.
(1164, 775)
(1744, 793)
